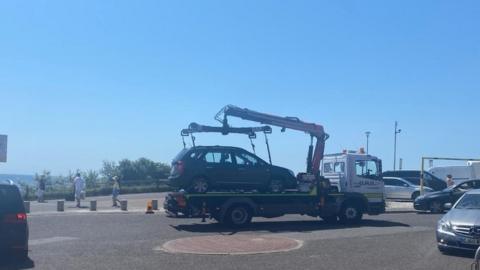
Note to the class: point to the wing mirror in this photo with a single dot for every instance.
(447, 206)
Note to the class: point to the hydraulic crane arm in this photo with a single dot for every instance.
(225, 130)
(314, 156)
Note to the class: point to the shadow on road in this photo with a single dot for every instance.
(13, 264)
(284, 226)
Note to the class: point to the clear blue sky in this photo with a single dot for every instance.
(86, 81)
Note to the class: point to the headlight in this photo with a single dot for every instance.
(445, 226)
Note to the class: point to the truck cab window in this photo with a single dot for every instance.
(366, 168)
(339, 167)
(327, 167)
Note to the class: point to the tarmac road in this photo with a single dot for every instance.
(131, 241)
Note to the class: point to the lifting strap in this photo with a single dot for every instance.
(268, 148)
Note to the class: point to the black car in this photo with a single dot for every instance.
(413, 177)
(435, 201)
(13, 223)
(206, 168)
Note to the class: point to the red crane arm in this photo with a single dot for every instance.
(315, 130)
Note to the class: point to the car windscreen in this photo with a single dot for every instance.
(469, 201)
(10, 200)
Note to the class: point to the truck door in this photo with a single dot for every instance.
(366, 178)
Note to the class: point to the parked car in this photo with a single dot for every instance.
(206, 168)
(13, 223)
(414, 177)
(401, 189)
(435, 201)
(460, 227)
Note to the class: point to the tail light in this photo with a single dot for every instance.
(15, 218)
(181, 202)
(179, 167)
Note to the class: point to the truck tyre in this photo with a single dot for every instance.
(199, 185)
(350, 213)
(238, 215)
(276, 186)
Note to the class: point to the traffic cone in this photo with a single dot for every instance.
(149, 208)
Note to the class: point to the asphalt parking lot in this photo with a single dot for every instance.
(79, 239)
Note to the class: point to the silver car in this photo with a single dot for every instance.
(460, 227)
(401, 189)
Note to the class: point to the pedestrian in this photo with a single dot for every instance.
(79, 184)
(450, 181)
(41, 189)
(115, 191)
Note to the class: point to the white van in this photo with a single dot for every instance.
(459, 173)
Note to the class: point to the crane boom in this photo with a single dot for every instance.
(314, 157)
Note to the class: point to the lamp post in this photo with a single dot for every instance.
(368, 137)
(397, 131)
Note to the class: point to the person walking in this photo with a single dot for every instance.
(79, 184)
(115, 191)
(41, 189)
(450, 181)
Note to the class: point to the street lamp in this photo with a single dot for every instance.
(397, 131)
(368, 136)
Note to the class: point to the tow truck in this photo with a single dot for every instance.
(315, 196)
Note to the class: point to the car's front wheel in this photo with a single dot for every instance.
(436, 207)
(199, 185)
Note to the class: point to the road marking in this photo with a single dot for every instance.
(50, 240)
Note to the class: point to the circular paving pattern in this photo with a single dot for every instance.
(231, 245)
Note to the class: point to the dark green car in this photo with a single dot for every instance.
(209, 168)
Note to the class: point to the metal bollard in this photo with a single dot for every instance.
(60, 206)
(27, 206)
(155, 204)
(476, 264)
(93, 205)
(123, 205)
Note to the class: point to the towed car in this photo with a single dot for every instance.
(459, 229)
(435, 201)
(206, 168)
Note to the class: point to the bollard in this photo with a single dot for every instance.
(155, 204)
(123, 205)
(93, 205)
(27, 206)
(60, 206)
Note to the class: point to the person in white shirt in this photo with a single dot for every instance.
(79, 184)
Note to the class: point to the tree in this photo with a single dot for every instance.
(109, 169)
(91, 178)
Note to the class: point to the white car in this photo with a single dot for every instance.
(401, 189)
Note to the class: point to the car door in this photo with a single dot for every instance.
(220, 168)
(251, 170)
(389, 188)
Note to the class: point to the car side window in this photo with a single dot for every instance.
(246, 159)
(387, 182)
(213, 157)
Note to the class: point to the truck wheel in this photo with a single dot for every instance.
(350, 213)
(199, 185)
(238, 216)
(276, 186)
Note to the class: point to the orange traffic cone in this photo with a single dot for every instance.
(149, 208)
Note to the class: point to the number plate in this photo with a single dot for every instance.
(470, 241)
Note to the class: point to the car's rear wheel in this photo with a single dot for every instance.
(436, 207)
(276, 186)
(199, 185)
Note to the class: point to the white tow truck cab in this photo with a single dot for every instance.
(352, 171)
